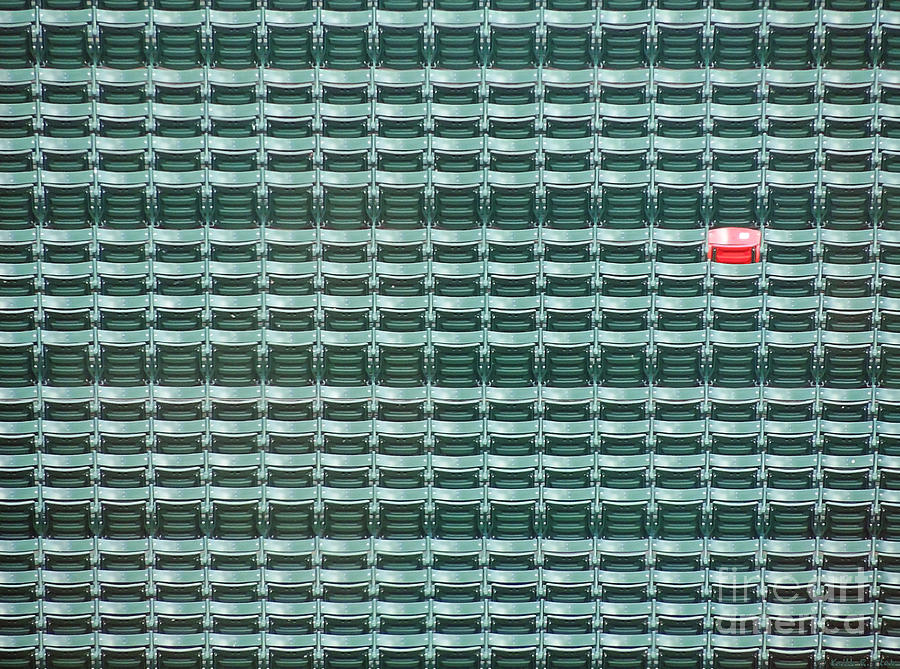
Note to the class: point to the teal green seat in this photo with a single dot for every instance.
(289, 366)
(122, 366)
(65, 47)
(568, 522)
(888, 369)
(790, 208)
(733, 366)
(569, 48)
(456, 366)
(179, 366)
(791, 48)
(66, 365)
(19, 520)
(69, 658)
(679, 208)
(16, 47)
(847, 522)
(512, 521)
(68, 521)
(122, 48)
(456, 48)
(678, 522)
(234, 48)
(733, 522)
(624, 521)
(889, 522)
(846, 367)
(890, 48)
(401, 48)
(457, 521)
(790, 521)
(679, 48)
(179, 48)
(512, 208)
(623, 366)
(678, 366)
(622, 48)
(735, 47)
(345, 48)
(511, 367)
(344, 366)
(513, 48)
(847, 48)
(848, 209)
(234, 207)
(401, 367)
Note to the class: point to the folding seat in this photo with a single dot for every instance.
(791, 45)
(67, 521)
(176, 520)
(457, 46)
(120, 658)
(623, 366)
(568, 522)
(345, 520)
(461, 520)
(18, 367)
(847, 47)
(887, 366)
(889, 51)
(846, 367)
(233, 207)
(24, 658)
(456, 208)
(678, 522)
(123, 520)
(735, 46)
(64, 46)
(122, 365)
(569, 47)
(623, 47)
(734, 522)
(289, 46)
(567, 208)
(122, 47)
(234, 520)
(511, 366)
(401, 46)
(288, 658)
(234, 47)
(790, 521)
(848, 208)
(66, 365)
(678, 366)
(233, 365)
(344, 208)
(18, 47)
(507, 658)
(345, 47)
(68, 658)
(19, 521)
(457, 366)
(734, 366)
(343, 366)
(230, 658)
(679, 47)
(624, 521)
(401, 520)
(17, 208)
(290, 365)
(290, 207)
